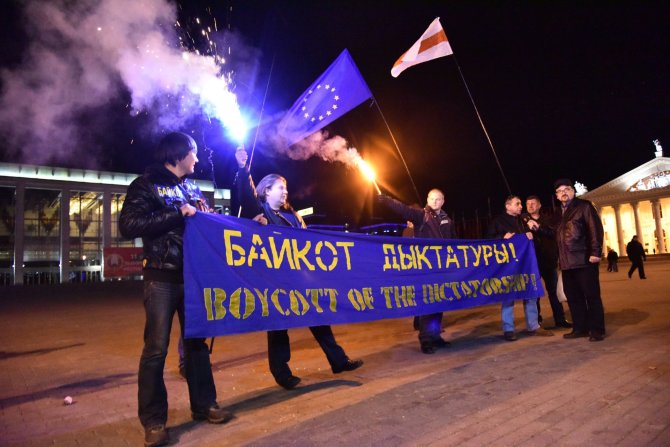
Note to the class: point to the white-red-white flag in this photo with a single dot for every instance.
(431, 45)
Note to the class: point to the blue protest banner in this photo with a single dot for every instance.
(240, 276)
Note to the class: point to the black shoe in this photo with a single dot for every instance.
(289, 382)
(427, 348)
(564, 323)
(596, 336)
(509, 336)
(349, 366)
(575, 334)
(441, 343)
(213, 415)
(155, 436)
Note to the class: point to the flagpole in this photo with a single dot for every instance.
(395, 143)
(481, 122)
(258, 126)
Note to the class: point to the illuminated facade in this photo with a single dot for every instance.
(55, 222)
(634, 204)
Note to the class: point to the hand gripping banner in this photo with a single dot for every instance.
(240, 276)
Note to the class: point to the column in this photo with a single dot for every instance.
(656, 209)
(19, 230)
(106, 224)
(638, 227)
(619, 229)
(65, 236)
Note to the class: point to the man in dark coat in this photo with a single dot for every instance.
(636, 254)
(579, 236)
(547, 261)
(430, 222)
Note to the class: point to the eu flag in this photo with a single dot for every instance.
(338, 90)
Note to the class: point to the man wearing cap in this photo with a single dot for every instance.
(579, 236)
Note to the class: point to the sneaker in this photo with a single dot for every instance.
(213, 415)
(509, 336)
(349, 366)
(155, 436)
(541, 332)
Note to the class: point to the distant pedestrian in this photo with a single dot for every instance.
(612, 260)
(636, 254)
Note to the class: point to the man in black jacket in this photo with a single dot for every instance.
(636, 254)
(156, 207)
(579, 235)
(430, 222)
(547, 261)
(505, 226)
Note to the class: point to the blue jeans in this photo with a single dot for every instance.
(161, 301)
(529, 310)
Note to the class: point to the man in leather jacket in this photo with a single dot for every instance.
(579, 236)
(430, 222)
(156, 207)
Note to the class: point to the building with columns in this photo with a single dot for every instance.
(634, 204)
(57, 224)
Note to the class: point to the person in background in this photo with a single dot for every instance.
(636, 254)
(612, 260)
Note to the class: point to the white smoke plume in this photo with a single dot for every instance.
(320, 145)
(85, 54)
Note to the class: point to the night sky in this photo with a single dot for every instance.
(565, 89)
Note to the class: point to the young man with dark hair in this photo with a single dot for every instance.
(156, 207)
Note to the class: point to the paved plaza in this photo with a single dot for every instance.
(84, 341)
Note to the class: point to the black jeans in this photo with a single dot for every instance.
(637, 264)
(582, 288)
(550, 277)
(430, 328)
(161, 301)
(279, 350)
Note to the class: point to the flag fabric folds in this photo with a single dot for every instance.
(431, 45)
(338, 90)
